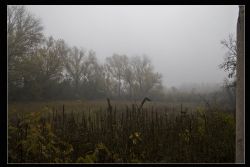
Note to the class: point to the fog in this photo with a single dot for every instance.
(183, 42)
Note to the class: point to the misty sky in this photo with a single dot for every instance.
(183, 42)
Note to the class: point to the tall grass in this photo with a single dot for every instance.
(124, 134)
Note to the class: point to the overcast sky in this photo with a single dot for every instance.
(183, 42)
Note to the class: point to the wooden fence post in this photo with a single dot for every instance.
(240, 88)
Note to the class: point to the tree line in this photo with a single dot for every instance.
(41, 67)
(44, 68)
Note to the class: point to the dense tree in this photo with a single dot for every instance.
(75, 67)
(42, 67)
(24, 37)
(109, 83)
(145, 77)
(52, 56)
(47, 67)
(134, 77)
(116, 65)
(51, 63)
(129, 78)
(93, 81)
(24, 33)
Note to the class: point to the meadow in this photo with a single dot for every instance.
(119, 132)
(190, 119)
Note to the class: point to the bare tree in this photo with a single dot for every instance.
(229, 65)
(230, 59)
